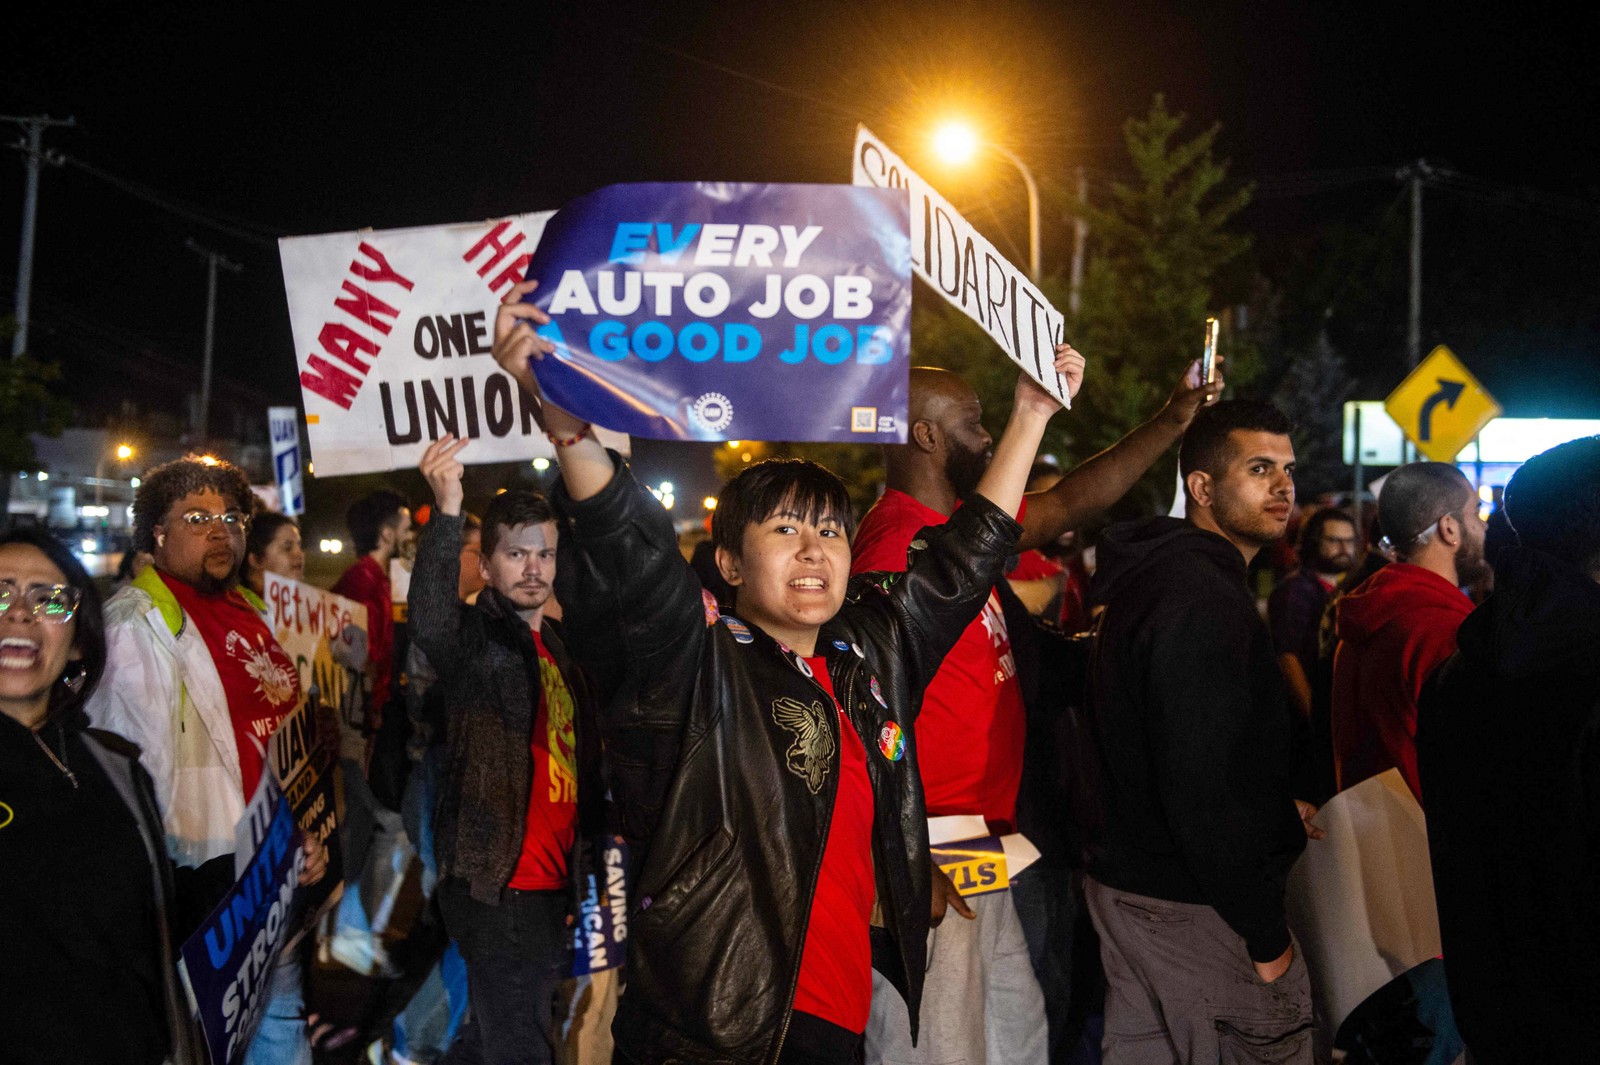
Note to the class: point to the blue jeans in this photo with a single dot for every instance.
(282, 1038)
(428, 1025)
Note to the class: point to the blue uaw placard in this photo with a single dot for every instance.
(711, 311)
(228, 962)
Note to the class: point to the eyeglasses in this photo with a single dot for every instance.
(232, 521)
(55, 603)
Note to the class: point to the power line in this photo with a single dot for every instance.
(239, 229)
(731, 72)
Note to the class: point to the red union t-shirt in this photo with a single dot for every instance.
(971, 730)
(836, 961)
(553, 800)
(258, 679)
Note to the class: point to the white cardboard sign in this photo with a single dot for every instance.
(963, 266)
(392, 330)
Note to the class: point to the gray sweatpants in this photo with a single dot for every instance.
(980, 1003)
(1180, 988)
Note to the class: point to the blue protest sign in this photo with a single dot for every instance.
(725, 311)
(600, 934)
(228, 962)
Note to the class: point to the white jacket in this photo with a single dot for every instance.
(161, 691)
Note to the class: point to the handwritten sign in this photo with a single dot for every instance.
(962, 265)
(393, 331)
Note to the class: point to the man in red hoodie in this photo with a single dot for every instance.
(1399, 625)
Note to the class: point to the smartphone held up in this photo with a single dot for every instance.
(1208, 361)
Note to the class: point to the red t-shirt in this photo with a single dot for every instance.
(1034, 566)
(553, 800)
(367, 583)
(258, 679)
(972, 727)
(836, 962)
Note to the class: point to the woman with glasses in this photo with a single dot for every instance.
(197, 680)
(86, 910)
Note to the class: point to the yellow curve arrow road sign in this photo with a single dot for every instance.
(1441, 406)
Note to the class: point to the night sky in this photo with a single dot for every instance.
(275, 120)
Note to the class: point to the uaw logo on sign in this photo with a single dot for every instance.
(713, 411)
(712, 310)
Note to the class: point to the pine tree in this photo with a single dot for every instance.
(1155, 253)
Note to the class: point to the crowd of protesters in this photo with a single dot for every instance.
(770, 729)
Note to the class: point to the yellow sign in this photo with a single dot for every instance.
(974, 866)
(1441, 406)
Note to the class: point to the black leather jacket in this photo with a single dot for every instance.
(721, 761)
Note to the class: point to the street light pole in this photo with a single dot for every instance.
(1033, 207)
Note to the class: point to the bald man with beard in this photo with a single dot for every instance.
(983, 1001)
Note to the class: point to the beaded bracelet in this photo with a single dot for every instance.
(569, 441)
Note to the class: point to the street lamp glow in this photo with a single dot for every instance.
(124, 452)
(541, 464)
(709, 502)
(956, 143)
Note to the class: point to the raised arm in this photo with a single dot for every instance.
(1095, 484)
(952, 568)
(433, 603)
(585, 466)
(627, 593)
(1007, 476)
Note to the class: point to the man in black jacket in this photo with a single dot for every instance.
(1508, 749)
(521, 791)
(766, 763)
(1187, 870)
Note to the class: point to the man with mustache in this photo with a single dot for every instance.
(1401, 623)
(521, 790)
(1198, 826)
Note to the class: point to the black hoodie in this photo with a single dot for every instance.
(1194, 732)
(1508, 746)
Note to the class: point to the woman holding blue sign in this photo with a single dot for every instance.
(764, 762)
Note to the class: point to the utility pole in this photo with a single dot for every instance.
(33, 148)
(1080, 238)
(1415, 174)
(214, 259)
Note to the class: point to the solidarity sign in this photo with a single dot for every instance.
(963, 267)
(713, 311)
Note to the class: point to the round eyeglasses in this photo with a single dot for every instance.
(231, 521)
(55, 603)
